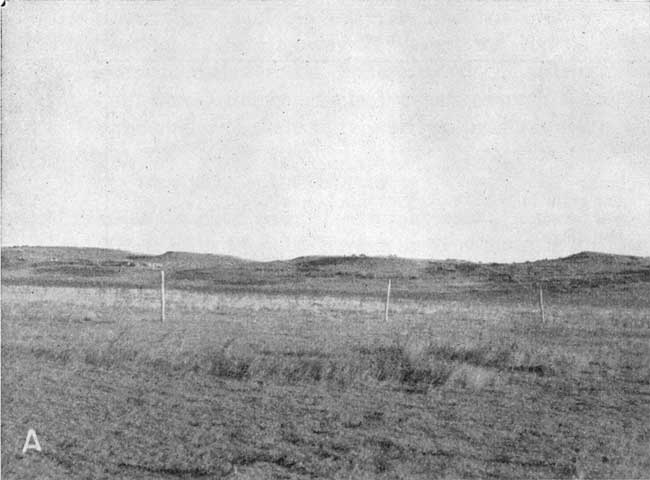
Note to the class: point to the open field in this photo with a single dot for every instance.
(299, 384)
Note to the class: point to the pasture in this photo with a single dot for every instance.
(260, 385)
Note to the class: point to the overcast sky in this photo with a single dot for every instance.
(483, 130)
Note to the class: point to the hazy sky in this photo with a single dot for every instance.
(484, 130)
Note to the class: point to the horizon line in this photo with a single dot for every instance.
(585, 251)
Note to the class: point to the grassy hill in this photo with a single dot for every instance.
(355, 275)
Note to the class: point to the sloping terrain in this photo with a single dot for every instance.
(340, 275)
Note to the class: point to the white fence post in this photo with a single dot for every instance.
(162, 295)
(387, 301)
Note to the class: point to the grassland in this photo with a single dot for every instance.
(276, 371)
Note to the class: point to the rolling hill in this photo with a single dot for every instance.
(356, 274)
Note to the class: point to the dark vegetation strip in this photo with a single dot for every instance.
(384, 363)
(180, 472)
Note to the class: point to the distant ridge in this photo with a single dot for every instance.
(184, 256)
(599, 256)
(39, 253)
(62, 253)
(186, 260)
(322, 274)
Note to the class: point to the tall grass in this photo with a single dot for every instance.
(451, 348)
(415, 364)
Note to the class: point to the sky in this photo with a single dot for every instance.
(482, 130)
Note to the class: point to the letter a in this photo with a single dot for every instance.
(32, 446)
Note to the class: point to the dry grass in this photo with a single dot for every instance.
(445, 391)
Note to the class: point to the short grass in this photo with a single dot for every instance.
(320, 388)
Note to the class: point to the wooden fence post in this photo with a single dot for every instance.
(541, 303)
(162, 295)
(387, 301)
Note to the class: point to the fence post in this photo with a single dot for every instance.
(541, 303)
(387, 301)
(162, 295)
